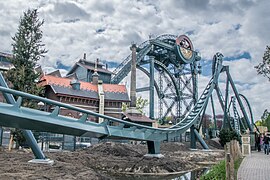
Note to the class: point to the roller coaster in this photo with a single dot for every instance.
(172, 66)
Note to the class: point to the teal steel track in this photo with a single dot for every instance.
(17, 116)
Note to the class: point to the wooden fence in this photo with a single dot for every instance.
(232, 153)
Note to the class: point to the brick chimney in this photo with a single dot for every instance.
(133, 76)
(95, 74)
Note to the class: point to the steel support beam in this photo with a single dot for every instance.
(226, 120)
(192, 138)
(153, 147)
(214, 112)
(239, 100)
(143, 89)
(30, 139)
(200, 139)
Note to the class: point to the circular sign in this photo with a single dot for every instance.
(184, 49)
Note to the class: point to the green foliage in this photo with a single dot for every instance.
(217, 172)
(237, 164)
(124, 107)
(140, 104)
(264, 67)
(265, 120)
(27, 50)
(226, 135)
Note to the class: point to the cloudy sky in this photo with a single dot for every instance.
(105, 29)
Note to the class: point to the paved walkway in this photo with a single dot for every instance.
(255, 167)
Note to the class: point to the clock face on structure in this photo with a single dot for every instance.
(184, 49)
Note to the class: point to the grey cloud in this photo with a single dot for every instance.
(103, 6)
(106, 28)
(67, 12)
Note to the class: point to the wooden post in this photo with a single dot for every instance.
(10, 142)
(229, 160)
(232, 150)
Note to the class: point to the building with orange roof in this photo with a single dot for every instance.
(94, 95)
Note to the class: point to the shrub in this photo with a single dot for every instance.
(226, 135)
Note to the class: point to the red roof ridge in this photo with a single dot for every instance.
(65, 82)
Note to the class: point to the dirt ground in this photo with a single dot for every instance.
(106, 161)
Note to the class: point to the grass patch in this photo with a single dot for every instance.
(237, 163)
(218, 171)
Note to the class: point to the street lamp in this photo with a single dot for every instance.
(41, 107)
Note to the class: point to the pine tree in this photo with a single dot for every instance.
(27, 50)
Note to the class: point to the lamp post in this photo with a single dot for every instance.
(41, 107)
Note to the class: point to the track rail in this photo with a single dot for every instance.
(14, 115)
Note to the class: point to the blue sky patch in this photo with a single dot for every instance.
(244, 55)
(59, 65)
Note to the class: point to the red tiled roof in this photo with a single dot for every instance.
(60, 81)
(114, 88)
(52, 80)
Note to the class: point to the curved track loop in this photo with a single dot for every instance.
(183, 96)
(123, 69)
(238, 123)
(25, 118)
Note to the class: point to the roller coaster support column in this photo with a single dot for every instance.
(195, 135)
(192, 138)
(250, 124)
(214, 113)
(153, 149)
(26, 133)
(152, 88)
(226, 120)
(200, 139)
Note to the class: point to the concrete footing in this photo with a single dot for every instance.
(42, 161)
(154, 155)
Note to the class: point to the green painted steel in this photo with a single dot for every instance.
(27, 133)
(167, 52)
(22, 117)
(14, 115)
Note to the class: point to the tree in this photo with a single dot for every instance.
(140, 104)
(27, 50)
(264, 67)
(265, 120)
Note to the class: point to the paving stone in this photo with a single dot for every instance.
(255, 167)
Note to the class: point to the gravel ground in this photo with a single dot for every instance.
(105, 161)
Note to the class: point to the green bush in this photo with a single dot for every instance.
(217, 172)
(226, 135)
